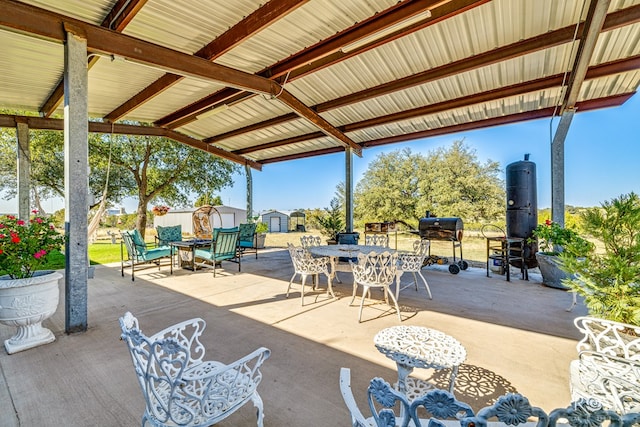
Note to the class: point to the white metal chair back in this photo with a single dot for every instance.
(381, 240)
(308, 241)
(413, 263)
(375, 270)
(180, 389)
(306, 265)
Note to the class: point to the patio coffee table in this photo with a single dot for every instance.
(186, 251)
(419, 347)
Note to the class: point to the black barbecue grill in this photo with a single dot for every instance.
(444, 229)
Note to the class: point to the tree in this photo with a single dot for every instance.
(389, 188)
(165, 171)
(448, 182)
(208, 199)
(149, 168)
(47, 168)
(456, 184)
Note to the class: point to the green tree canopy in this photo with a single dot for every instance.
(165, 171)
(402, 185)
(152, 169)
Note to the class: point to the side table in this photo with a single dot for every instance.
(185, 250)
(419, 347)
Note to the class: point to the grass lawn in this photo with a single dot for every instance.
(474, 248)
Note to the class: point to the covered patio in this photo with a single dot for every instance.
(518, 337)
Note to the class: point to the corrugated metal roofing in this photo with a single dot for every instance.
(32, 67)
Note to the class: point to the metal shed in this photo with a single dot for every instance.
(231, 217)
(277, 221)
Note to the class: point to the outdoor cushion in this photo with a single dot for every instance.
(169, 234)
(247, 231)
(138, 241)
(156, 253)
(217, 230)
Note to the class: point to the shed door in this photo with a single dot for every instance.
(274, 225)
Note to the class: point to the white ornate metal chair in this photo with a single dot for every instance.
(308, 241)
(383, 399)
(179, 387)
(509, 410)
(608, 364)
(413, 263)
(375, 270)
(306, 265)
(376, 239)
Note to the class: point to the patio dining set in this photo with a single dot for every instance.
(373, 265)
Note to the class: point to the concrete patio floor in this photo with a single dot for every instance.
(518, 336)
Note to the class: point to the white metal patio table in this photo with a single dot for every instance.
(348, 251)
(419, 347)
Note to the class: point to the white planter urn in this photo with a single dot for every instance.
(25, 304)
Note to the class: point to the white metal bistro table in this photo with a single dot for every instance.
(348, 251)
(419, 347)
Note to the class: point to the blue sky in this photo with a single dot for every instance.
(602, 155)
(602, 161)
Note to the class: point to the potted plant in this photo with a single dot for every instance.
(609, 279)
(27, 295)
(261, 234)
(552, 240)
(332, 223)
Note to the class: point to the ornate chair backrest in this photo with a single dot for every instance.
(587, 412)
(511, 409)
(421, 247)
(381, 240)
(414, 261)
(375, 268)
(226, 244)
(308, 241)
(159, 363)
(303, 262)
(608, 337)
(169, 234)
(440, 405)
(247, 231)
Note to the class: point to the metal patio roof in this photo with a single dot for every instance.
(260, 82)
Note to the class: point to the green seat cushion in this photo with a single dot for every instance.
(156, 253)
(169, 234)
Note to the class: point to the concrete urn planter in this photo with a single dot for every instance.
(25, 304)
(260, 239)
(552, 275)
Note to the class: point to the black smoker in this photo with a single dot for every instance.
(450, 229)
(522, 206)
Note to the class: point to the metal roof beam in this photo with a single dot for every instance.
(602, 70)
(117, 19)
(593, 104)
(314, 58)
(591, 30)
(247, 27)
(45, 123)
(43, 23)
(614, 20)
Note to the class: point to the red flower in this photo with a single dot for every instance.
(548, 222)
(15, 238)
(20, 222)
